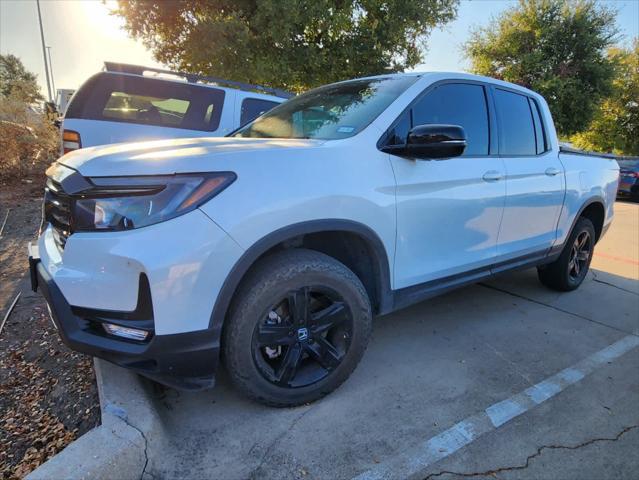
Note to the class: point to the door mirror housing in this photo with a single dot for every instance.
(431, 141)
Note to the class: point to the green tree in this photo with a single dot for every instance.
(555, 47)
(16, 81)
(291, 44)
(615, 126)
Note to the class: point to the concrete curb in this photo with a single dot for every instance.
(118, 447)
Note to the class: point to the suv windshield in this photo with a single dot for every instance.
(331, 112)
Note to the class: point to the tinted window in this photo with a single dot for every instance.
(457, 104)
(253, 108)
(516, 130)
(145, 109)
(398, 134)
(331, 112)
(540, 137)
(148, 101)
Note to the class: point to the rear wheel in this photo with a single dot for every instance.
(298, 328)
(569, 270)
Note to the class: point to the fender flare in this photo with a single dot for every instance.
(596, 199)
(586, 204)
(248, 258)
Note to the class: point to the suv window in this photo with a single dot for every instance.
(253, 108)
(516, 128)
(147, 101)
(144, 109)
(460, 104)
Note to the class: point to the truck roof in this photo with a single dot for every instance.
(452, 75)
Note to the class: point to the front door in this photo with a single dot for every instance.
(448, 210)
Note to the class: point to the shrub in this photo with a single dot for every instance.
(28, 140)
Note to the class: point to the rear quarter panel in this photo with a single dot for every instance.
(588, 178)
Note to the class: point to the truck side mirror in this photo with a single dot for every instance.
(432, 141)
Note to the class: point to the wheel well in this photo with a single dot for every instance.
(349, 248)
(595, 213)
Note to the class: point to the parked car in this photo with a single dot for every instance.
(126, 103)
(629, 178)
(273, 248)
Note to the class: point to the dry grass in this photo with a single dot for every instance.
(28, 140)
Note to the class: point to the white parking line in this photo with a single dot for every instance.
(410, 463)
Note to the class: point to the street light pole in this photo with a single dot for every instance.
(44, 52)
(51, 69)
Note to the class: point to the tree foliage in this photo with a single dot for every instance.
(615, 126)
(291, 44)
(555, 47)
(16, 81)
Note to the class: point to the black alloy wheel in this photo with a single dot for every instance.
(580, 255)
(303, 337)
(298, 327)
(568, 271)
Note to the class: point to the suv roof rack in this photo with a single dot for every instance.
(194, 78)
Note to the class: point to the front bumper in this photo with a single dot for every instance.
(183, 360)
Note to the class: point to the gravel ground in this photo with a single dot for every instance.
(48, 395)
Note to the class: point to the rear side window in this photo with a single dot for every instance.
(148, 101)
(460, 104)
(540, 134)
(253, 108)
(516, 128)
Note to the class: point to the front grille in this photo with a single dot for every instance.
(57, 211)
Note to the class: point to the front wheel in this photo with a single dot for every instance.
(297, 329)
(570, 269)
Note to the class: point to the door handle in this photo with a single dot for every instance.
(552, 171)
(492, 176)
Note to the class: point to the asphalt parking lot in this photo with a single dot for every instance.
(504, 379)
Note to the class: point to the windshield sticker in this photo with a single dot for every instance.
(345, 129)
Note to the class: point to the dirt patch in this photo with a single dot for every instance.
(48, 395)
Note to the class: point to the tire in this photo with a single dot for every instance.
(562, 274)
(296, 370)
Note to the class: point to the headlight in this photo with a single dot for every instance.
(123, 203)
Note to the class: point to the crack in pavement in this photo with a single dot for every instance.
(146, 443)
(567, 312)
(595, 279)
(531, 457)
(277, 439)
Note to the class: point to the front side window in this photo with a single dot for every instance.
(331, 112)
(460, 104)
(516, 128)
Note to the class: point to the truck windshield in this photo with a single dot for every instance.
(331, 112)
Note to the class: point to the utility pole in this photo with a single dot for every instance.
(44, 52)
(51, 69)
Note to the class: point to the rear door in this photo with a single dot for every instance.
(448, 210)
(534, 178)
(115, 107)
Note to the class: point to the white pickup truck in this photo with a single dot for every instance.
(274, 248)
(131, 103)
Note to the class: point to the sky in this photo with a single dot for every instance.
(82, 35)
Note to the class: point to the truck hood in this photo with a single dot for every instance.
(165, 157)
